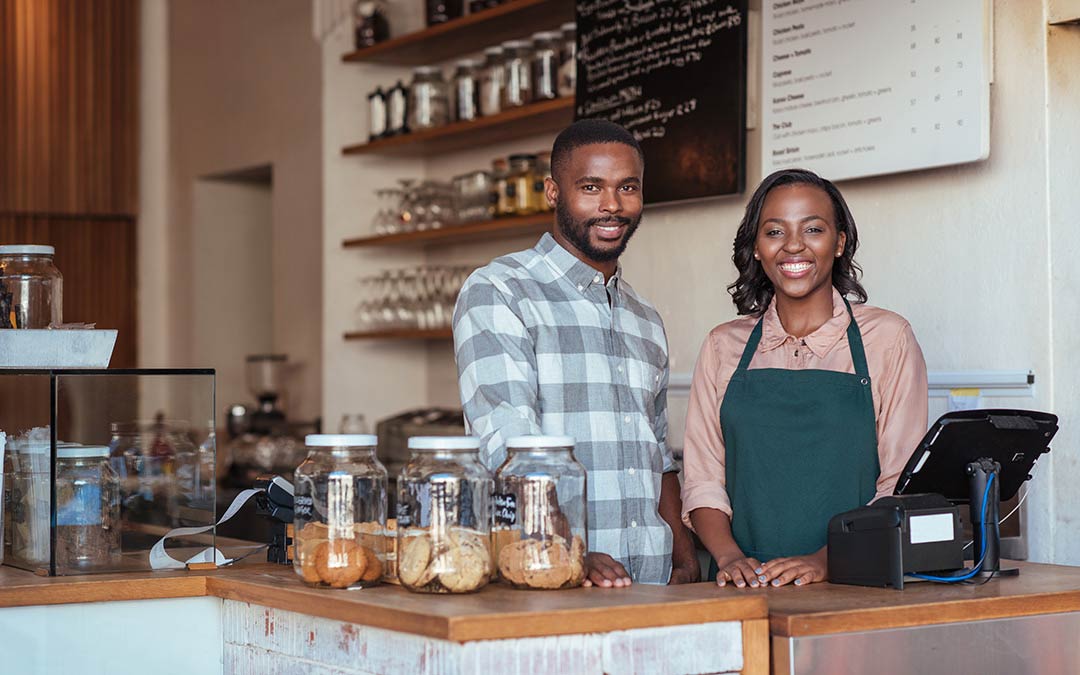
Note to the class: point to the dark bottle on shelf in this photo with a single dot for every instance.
(371, 24)
(441, 11)
(397, 110)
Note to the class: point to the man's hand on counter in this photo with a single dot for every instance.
(603, 571)
(801, 570)
(684, 575)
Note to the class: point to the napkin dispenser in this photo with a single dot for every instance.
(877, 545)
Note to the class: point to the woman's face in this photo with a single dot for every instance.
(797, 241)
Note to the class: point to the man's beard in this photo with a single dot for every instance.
(577, 233)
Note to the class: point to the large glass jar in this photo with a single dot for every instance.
(466, 90)
(517, 74)
(473, 196)
(429, 99)
(491, 82)
(545, 65)
(520, 185)
(31, 288)
(539, 531)
(543, 170)
(340, 512)
(87, 509)
(500, 197)
(568, 60)
(444, 516)
(441, 11)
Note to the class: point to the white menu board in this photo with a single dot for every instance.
(865, 87)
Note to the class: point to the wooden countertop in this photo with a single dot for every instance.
(823, 609)
(499, 612)
(496, 612)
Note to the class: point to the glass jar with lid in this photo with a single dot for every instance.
(340, 512)
(543, 170)
(501, 196)
(466, 90)
(546, 46)
(568, 61)
(87, 510)
(540, 534)
(473, 196)
(441, 11)
(517, 74)
(444, 516)
(491, 82)
(520, 185)
(429, 99)
(31, 287)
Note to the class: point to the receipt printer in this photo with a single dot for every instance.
(877, 545)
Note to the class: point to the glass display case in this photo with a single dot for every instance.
(98, 465)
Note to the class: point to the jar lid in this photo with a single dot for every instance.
(547, 35)
(494, 51)
(517, 442)
(26, 249)
(523, 157)
(570, 25)
(516, 44)
(444, 443)
(77, 451)
(341, 440)
(468, 63)
(427, 70)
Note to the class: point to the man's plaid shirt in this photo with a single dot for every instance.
(544, 346)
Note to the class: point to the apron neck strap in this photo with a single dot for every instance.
(854, 337)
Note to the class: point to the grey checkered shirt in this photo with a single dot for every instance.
(545, 347)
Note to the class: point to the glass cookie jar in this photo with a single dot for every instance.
(340, 512)
(539, 530)
(444, 516)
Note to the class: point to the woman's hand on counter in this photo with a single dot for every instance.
(801, 570)
(739, 570)
(603, 571)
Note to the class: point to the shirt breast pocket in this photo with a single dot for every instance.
(646, 379)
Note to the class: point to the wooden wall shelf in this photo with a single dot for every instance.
(527, 120)
(489, 229)
(403, 334)
(469, 34)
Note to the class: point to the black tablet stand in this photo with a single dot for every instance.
(959, 454)
(978, 473)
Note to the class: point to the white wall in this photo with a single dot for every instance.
(232, 250)
(227, 86)
(977, 257)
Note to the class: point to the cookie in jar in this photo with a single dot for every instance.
(340, 512)
(444, 517)
(539, 514)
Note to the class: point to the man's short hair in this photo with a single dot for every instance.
(589, 132)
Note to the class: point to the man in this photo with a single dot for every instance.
(552, 340)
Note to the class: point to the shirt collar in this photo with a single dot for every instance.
(566, 264)
(820, 342)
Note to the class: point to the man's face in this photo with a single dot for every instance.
(597, 200)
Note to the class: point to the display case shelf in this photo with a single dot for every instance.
(469, 34)
(502, 228)
(527, 120)
(402, 334)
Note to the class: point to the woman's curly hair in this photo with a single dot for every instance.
(752, 291)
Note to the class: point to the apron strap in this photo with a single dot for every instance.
(854, 337)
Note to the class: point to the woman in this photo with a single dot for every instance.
(805, 407)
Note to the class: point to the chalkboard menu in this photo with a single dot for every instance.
(672, 72)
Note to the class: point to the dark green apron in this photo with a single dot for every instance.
(800, 446)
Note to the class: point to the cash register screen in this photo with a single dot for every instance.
(1013, 438)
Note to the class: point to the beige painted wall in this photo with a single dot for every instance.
(242, 89)
(977, 257)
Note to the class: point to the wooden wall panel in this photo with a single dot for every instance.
(68, 106)
(97, 258)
